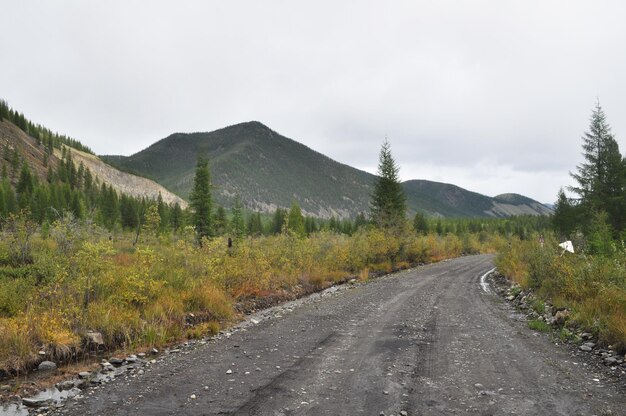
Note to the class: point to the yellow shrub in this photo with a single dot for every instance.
(16, 346)
(208, 299)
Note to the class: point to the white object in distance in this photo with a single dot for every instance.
(567, 246)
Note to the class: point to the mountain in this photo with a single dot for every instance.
(266, 169)
(13, 140)
(269, 170)
(446, 200)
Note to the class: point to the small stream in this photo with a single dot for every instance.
(46, 398)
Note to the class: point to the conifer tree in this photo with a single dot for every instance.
(15, 162)
(295, 220)
(420, 225)
(162, 208)
(76, 206)
(237, 223)
(176, 219)
(346, 227)
(564, 219)
(439, 228)
(601, 177)
(310, 225)
(3, 204)
(108, 204)
(255, 225)
(4, 110)
(278, 221)
(129, 212)
(200, 199)
(360, 221)
(9, 197)
(25, 184)
(220, 222)
(388, 202)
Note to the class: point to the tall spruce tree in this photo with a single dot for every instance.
(600, 178)
(200, 199)
(237, 222)
(388, 202)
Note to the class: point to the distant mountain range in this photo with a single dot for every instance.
(268, 170)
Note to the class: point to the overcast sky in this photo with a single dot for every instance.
(492, 96)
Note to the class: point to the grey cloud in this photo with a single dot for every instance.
(463, 90)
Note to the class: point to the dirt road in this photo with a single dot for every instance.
(428, 341)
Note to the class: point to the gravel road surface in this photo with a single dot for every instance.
(427, 341)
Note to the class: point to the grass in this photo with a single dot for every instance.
(538, 325)
(593, 287)
(168, 288)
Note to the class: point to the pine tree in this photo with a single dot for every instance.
(439, 228)
(600, 178)
(176, 219)
(346, 227)
(310, 226)
(295, 220)
(237, 223)
(108, 204)
(255, 225)
(9, 197)
(26, 183)
(129, 212)
(39, 204)
(360, 221)
(332, 224)
(163, 212)
(200, 199)
(3, 203)
(220, 222)
(388, 202)
(4, 110)
(420, 225)
(278, 221)
(564, 219)
(15, 162)
(76, 206)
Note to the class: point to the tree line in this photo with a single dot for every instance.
(41, 134)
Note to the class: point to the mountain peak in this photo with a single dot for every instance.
(268, 170)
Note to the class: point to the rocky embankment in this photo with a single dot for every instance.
(544, 316)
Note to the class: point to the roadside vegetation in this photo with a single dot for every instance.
(76, 256)
(55, 287)
(591, 282)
